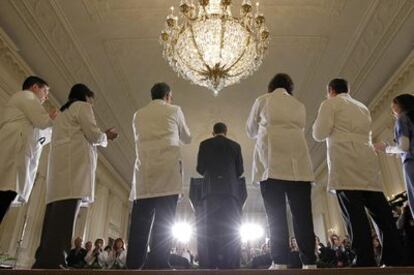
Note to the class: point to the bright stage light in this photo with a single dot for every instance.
(182, 232)
(251, 232)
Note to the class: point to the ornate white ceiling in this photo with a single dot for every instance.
(112, 46)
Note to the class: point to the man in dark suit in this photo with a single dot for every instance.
(220, 162)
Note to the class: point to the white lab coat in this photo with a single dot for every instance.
(73, 154)
(345, 124)
(20, 126)
(277, 122)
(116, 261)
(159, 129)
(96, 261)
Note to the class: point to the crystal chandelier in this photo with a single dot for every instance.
(211, 47)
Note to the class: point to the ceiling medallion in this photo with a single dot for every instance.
(212, 48)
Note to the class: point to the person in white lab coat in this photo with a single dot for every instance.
(159, 130)
(345, 124)
(96, 258)
(282, 165)
(71, 174)
(24, 129)
(116, 258)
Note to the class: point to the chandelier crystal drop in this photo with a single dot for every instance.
(209, 46)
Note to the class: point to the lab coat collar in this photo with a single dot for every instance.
(344, 95)
(280, 90)
(158, 101)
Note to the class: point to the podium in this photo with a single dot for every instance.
(199, 193)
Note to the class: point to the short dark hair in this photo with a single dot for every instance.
(281, 80)
(32, 80)
(160, 90)
(339, 85)
(79, 92)
(220, 128)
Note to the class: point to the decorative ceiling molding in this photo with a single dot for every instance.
(329, 7)
(393, 87)
(379, 31)
(51, 28)
(318, 47)
(92, 9)
(12, 61)
(372, 38)
(101, 11)
(15, 66)
(113, 55)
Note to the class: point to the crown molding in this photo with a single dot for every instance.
(393, 87)
(11, 59)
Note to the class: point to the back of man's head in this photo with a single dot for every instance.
(220, 128)
(32, 80)
(160, 90)
(339, 85)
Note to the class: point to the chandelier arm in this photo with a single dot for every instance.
(188, 65)
(196, 47)
(205, 13)
(241, 56)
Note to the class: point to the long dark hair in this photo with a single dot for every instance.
(406, 104)
(79, 92)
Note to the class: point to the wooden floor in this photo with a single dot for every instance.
(342, 271)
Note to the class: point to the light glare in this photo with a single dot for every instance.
(251, 232)
(182, 232)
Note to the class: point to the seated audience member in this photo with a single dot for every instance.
(340, 256)
(178, 260)
(88, 246)
(293, 257)
(262, 261)
(376, 245)
(325, 255)
(76, 257)
(405, 224)
(117, 256)
(349, 253)
(96, 258)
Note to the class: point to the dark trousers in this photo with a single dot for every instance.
(298, 194)
(354, 204)
(218, 232)
(6, 199)
(151, 220)
(408, 169)
(57, 230)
